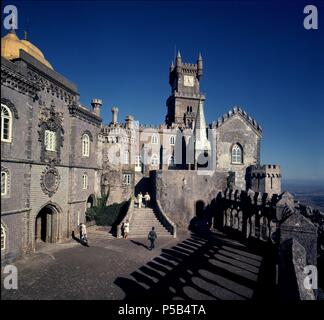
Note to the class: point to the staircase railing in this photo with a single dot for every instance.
(165, 220)
(128, 217)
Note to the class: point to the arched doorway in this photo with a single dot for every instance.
(91, 201)
(46, 226)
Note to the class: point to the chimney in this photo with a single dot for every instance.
(96, 105)
(114, 111)
(129, 122)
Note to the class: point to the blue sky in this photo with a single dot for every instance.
(257, 55)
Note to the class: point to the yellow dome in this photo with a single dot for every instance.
(10, 46)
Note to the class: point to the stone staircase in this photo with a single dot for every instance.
(142, 221)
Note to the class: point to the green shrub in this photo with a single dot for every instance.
(107, 215)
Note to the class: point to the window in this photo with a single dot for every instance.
(138, 161)
(237, 154)
(172, 140)
(154, 139)
(126, 157)
(85, 181)
(85, 145)
(154, 160)
(3, 237)
(50, 140)
(171, 161)
(4, 182)
(6, 123)
(127, 178)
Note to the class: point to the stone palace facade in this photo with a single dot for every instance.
(58, 158)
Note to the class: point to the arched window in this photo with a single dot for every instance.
(3, 237)
(172, 140)
(6, 124)
(171, 161)
(154, 139)
(85, 181)
(154, 160)
(237, 154)
(85, 145)
(50, 140)
(126, 157)
(4, 182)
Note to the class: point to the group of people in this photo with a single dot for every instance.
(146, 199)
(152, 236)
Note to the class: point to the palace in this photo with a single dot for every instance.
(58, 158)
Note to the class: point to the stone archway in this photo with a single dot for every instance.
(46, 224)
(91, 201)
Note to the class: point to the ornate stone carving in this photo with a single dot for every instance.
(11, 106)
(45, 84)
(50, 180)
(84, 114)
(88, 133)
(50, 119)
(14, 80)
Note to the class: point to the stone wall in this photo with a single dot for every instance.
(179, 190)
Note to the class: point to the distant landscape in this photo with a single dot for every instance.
(307, 192)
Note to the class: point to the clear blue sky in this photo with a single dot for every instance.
(256, 55)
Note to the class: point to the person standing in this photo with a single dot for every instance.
(83, 234)
(126, 229)
(139, 199)
(152, 236)
(147, 199)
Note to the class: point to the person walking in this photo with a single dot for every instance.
(139, 199)
(126, 229)
(152, 236)
(83, 234)
(147, 199)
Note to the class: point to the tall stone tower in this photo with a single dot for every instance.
(184, 79)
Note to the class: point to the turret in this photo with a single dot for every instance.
(266, 178)
(171, 66)
(178, 63)
(96, 106)
(114, 112)
(199, 67)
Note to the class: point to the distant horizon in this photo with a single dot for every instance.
(304, 182)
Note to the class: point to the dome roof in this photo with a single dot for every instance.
(11, 44)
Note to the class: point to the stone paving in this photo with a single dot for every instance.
(190, 267)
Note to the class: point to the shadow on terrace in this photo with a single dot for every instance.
(208, 266)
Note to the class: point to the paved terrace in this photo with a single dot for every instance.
(190, 267)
